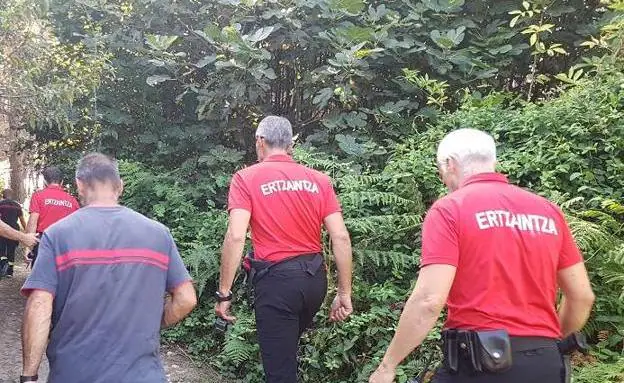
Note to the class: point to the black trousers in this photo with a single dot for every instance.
(285, 304)
(540, 365)
(7, 254)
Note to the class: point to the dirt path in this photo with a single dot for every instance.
(180, 368)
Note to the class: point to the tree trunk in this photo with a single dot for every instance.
(18, 174)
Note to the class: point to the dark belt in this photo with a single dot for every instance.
(526, 343)
(474, 349)
(309, 263)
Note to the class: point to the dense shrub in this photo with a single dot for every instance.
(569, 149)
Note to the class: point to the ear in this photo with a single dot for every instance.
(81, 187)
(452, 166)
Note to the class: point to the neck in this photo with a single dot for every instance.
(470, 170)
(103, 199)
(275, 152)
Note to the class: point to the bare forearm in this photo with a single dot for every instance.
(417, 319)
(31, 226)
(230, 260)
(7, 231)
(573, 315)
(344, 263)
(35, 331)
(174, 312)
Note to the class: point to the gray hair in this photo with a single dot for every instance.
(276, 131)
(467, 147)
(97, 167)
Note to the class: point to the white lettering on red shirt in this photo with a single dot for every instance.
(57, 202)
(524, 222)
(289, 185)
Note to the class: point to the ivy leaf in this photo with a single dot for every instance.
(322, 97)
(533, 39)
(349, 145)
(157, 79)
(160, 43)
(261, 34)
(205, 61)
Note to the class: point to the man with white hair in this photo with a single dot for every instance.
(495, 254)
(286, 204)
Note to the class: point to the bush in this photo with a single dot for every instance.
(557, 149)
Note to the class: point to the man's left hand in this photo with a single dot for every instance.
(222, 309)
(29, 239)
(382, 375)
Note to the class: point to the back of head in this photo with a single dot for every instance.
(98, 168)
(468, 147)
(7, 194)
(52, 175)
(276, 132)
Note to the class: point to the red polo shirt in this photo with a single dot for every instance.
(288, 203)
(508, 245)
(52, 204)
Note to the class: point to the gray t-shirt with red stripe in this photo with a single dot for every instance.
(108, 269)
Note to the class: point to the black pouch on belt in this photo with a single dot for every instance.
(493, 350)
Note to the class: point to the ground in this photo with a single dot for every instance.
(180, 368)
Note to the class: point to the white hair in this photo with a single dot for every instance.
(276, 131)
(467, 147)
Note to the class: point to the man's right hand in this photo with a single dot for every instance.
(222, 309)
(29, 239)
(341, 308)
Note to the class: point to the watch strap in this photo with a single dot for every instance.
(223, 298)
(33, 378)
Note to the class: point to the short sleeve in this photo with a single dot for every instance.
(176, 273)
(440, 240)
(570, 253)
(44, 275)
(239, 196)
(35, 204)
(332, 205)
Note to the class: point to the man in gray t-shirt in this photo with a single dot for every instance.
(99, 281)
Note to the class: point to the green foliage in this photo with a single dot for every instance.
(174, 89)
(600, 373)
(347, 73)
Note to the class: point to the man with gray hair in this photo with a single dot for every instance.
(97, 289)
(286, 204)
(496, 255)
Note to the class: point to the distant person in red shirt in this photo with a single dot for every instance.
(496, 254)
(286, 204)
(49, 205)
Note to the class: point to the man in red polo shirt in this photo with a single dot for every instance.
(286, 204)
(496, 255)
(49, 205)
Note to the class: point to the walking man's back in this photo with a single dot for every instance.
(49, 205)
(102, 274)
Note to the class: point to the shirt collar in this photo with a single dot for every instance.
(58, 187)
(279, 158)
(485, 177)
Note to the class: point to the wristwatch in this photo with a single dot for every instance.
(223, 298)
(24, 379)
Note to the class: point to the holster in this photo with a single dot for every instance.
(486, 351)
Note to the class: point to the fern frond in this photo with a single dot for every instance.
(376, 198)
(589, 235)
(384, 258)
(380, 223)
